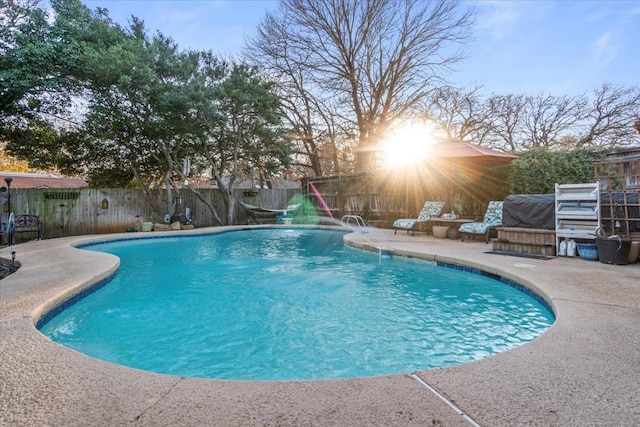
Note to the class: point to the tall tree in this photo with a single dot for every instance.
(245, 136)
(549, 118)
(376, 59)
(35, 60)
(146, 106)
(312, 128)
(460, 114)
(609, 120)
(521, 122)
(507, 115)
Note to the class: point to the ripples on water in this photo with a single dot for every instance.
(290, 304)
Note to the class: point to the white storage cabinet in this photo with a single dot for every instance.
(577, 211)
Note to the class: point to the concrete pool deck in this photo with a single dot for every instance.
(584, 371)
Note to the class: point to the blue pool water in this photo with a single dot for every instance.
(290, 304)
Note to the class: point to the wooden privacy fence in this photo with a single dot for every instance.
(72, 212)
(381, 197)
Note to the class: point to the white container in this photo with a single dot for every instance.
(571, 248)
(562, 250)
(287, 221)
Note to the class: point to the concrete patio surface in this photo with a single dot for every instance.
(584, 371)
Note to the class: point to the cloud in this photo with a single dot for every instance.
(604, 49)
(603, 42)
(501, 19)
(497, 18)
(185, 16)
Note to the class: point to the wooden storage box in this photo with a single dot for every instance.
(533, 241)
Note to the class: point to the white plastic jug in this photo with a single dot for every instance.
(571, 248)
(562, 250)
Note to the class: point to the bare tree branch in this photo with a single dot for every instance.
(375, 59)
(609, 121)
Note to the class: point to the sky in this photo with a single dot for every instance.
(561, 47)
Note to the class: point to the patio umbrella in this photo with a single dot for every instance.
(458, 150)
(467, 174)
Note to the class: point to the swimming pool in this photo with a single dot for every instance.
(280, 304)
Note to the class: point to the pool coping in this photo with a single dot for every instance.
(582, 371)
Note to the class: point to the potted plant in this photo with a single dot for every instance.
(612, 249)
(613, 242)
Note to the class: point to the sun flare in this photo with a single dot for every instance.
(407, 145)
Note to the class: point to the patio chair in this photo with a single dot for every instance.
(429, 210)
(28, 224)
(492, 219)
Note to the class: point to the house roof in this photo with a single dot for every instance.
(40, 180)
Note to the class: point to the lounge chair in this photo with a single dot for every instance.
(429, 210)
(492, 219)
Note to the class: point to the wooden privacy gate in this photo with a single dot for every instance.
(76, 212)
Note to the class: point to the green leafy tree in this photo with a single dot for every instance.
(140, 111)
(38, 59)
(538, 170)
(246, 135)
(26, 57)
(144, 105)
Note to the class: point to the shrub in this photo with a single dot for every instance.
(539, 169)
